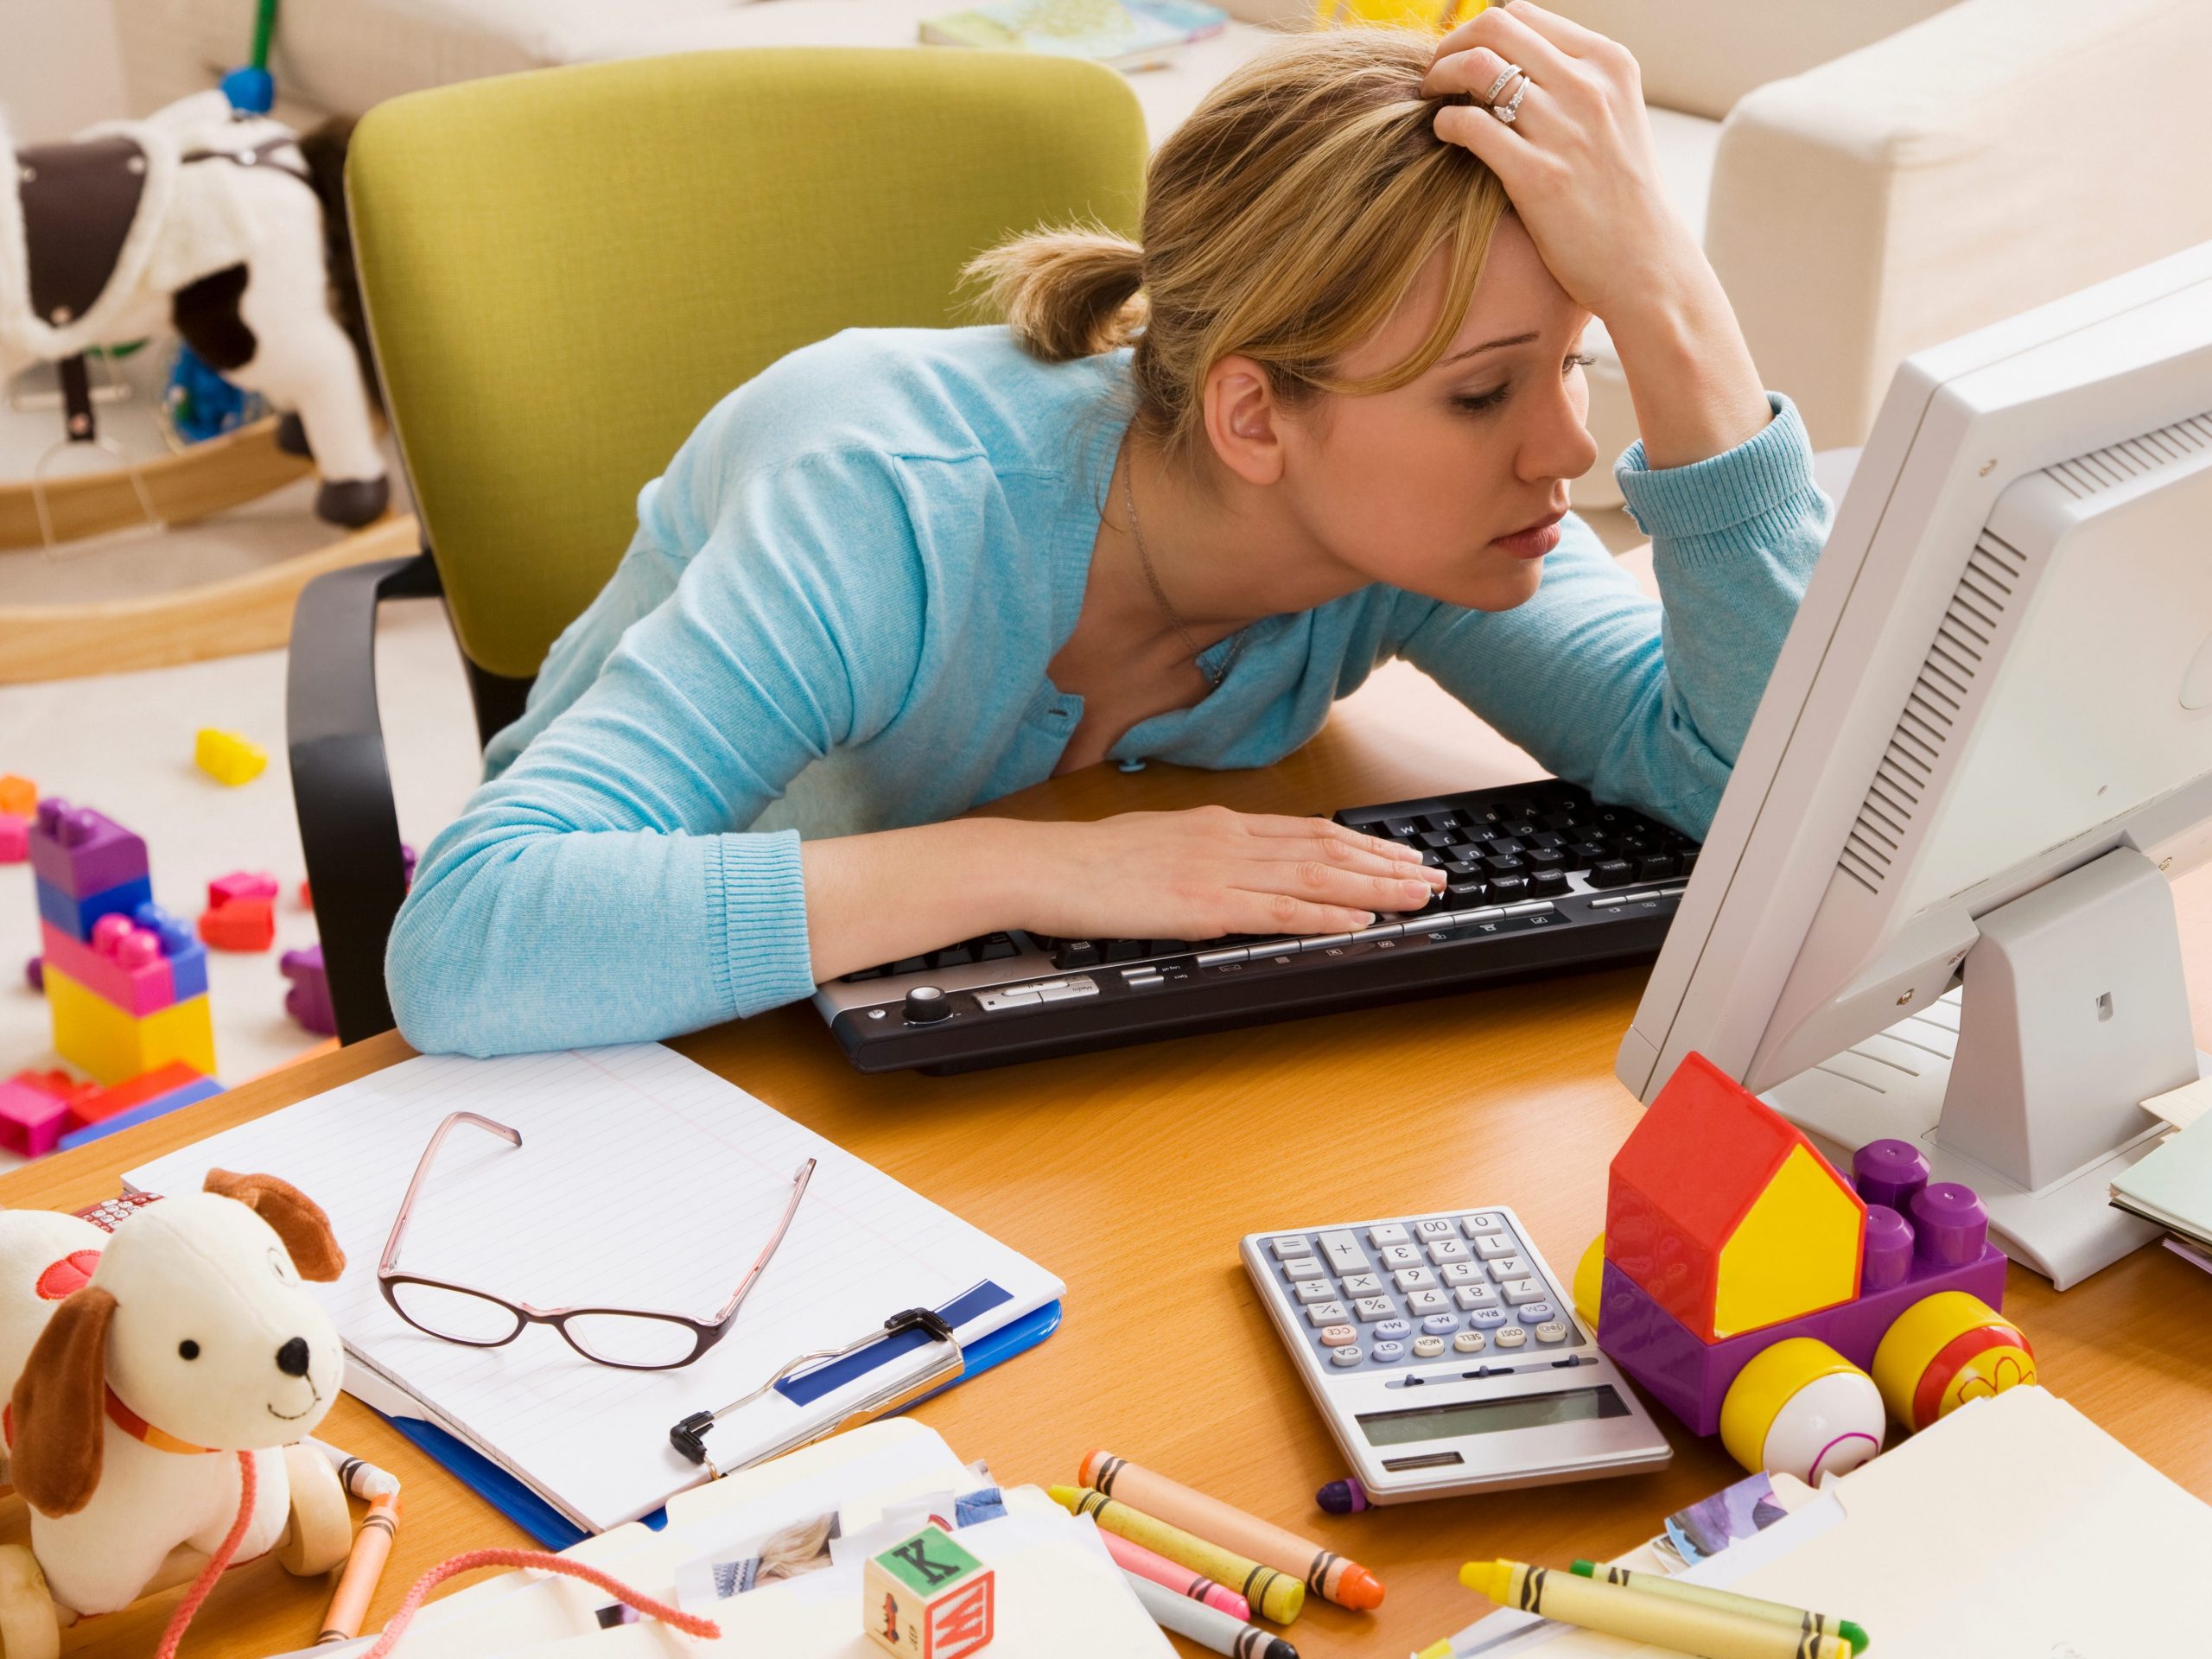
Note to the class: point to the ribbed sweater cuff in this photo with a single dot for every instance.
(1771, 467)
(755, 885)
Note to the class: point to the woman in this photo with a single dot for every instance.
(1187, 497)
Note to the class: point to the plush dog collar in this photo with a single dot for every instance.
(139, 1429)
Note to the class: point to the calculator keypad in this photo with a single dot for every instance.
(1436, 1288)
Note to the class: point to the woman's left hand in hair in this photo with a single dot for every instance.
(1577, 160)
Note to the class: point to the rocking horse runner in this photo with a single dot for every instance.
(230, 228)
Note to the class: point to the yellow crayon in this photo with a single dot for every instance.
(1661, 1621)
(1274, 1595)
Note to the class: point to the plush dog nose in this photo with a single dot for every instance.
(292, 1357)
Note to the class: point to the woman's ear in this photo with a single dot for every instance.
(58, 1415)
(1243, 419)
(297, 1219)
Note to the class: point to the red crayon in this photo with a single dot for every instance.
(1150, 1564)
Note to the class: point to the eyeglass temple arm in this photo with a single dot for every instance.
(799, 1179)
(390, 1260)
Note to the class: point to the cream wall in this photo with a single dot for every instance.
(61, 70)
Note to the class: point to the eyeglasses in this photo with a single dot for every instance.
(634, 1339)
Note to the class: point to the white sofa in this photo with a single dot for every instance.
(1868, 179)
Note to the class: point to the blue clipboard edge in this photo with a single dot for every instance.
(553, 1530)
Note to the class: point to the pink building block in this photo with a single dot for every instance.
(124, 963)
(31, 1120)
(240, 884)
(14, 838)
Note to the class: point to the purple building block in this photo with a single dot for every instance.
(308, 1001)
(1944, 1246)
(35, 973)
(81, 852)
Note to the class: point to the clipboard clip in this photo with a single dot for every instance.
(943, 1365)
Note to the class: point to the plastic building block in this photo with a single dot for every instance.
(227, 757)
(94, 1104)
(145, 1112)
(112, 1045)
(308, 1001)
(1725, 1214)
(1802, 1408)
(59, 1083)
(187, 956)
(14, 838)
(18, 795)
(81, 852)
(35, 973)
(31, 1120)
(1946, 1350)
(123, 963)
(241, 913)
(926, 1598)
(75, 917)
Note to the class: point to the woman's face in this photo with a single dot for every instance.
(1416, 487)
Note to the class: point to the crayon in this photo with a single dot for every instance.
(1324, 1571)
(1658, 1621)
(1775, 1612)
(349, 1603)
(1273, 1595)
(1149, 1564)
(1206, 1627)
(1345, 1497)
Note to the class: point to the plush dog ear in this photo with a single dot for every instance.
(58, 1410)
(298, 1219)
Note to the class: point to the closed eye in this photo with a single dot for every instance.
(1477, 402)
(279, 1266)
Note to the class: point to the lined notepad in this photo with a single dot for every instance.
(643, 1181)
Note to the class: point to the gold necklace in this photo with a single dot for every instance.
(1152, 577)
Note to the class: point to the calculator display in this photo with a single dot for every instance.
(1491, 1416)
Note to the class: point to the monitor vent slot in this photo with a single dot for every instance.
(1934, 708)
(2100, 469)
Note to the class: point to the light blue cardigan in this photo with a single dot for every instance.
(837, 616)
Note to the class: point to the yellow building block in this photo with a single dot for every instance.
(1795, 1252)
(96, 1036)
(227, 757)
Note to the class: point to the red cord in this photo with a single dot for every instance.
(689, 1623)
(180, 1620)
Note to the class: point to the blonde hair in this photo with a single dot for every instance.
(1285, 220)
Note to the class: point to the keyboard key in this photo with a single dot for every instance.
(1499, 864)
(1488, 1318)
(1439, 1325)
(1386, 1352)
(1445, 1251)
(1476, 1226)
(1401, 1256)
(1469, 1342)
(1551, 1331)
(1342, 1252)
(1401, 828)
(1429, 1232)
(1509, 1335)
(1655, 867)
(910, 964)
(1361, 1284)
(1427, 1301)
(1289, 1249)
(1312, 1291)
(1428, 1347)
(1325, 1313)
(999, 947)
(1489, 1246)
(955, 955)
(1461, 1273)
(1518, 1291)
(1531, 1312)
(1611, 873)
(1303, 1268)
(1413, 1279)
(1473, 1296)
(1345, 1356)
(1338, 1336)
(1074, 953)
(1389, 1233)
(1460, 894)
(1502, 1268)
(1549, 884)
(1507, 886)
(1390, 1330)
(1125, 951)
(1438, 839)
(1371, 1308)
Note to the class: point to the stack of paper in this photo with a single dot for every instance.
(2172, 1186)
(643, 1181)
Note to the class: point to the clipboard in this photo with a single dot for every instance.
(555, 1531)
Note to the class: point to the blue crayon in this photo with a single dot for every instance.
(1345, 1497)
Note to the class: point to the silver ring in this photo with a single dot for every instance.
(1510, 111)
(1498, 86)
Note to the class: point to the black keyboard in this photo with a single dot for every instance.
(1541, 877)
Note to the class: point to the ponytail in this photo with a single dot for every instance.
(1066, 293)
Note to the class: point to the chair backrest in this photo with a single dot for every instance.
(564, 271)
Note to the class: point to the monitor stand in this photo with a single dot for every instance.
(2026, 1083)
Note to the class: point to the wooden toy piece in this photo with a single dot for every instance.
(1724, 1214)
(113, 1044)
(1802, 1408)
(228, 756)
(1944, 1350)
(14, 838)
(241, 913)
(926, 1598)
(18, 795)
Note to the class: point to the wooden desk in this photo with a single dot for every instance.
(1132, 1174)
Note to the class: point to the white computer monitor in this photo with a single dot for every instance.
(1934, 903)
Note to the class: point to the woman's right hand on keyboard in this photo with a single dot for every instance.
(1201, 874)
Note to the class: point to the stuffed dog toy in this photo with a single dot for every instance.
(145, 1361)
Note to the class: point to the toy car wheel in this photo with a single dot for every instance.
(29, 1626)
(320, 1530)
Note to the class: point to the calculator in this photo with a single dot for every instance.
(1447, 1357)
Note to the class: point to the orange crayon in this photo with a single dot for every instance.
(1324, 1571)
(349, 1603)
